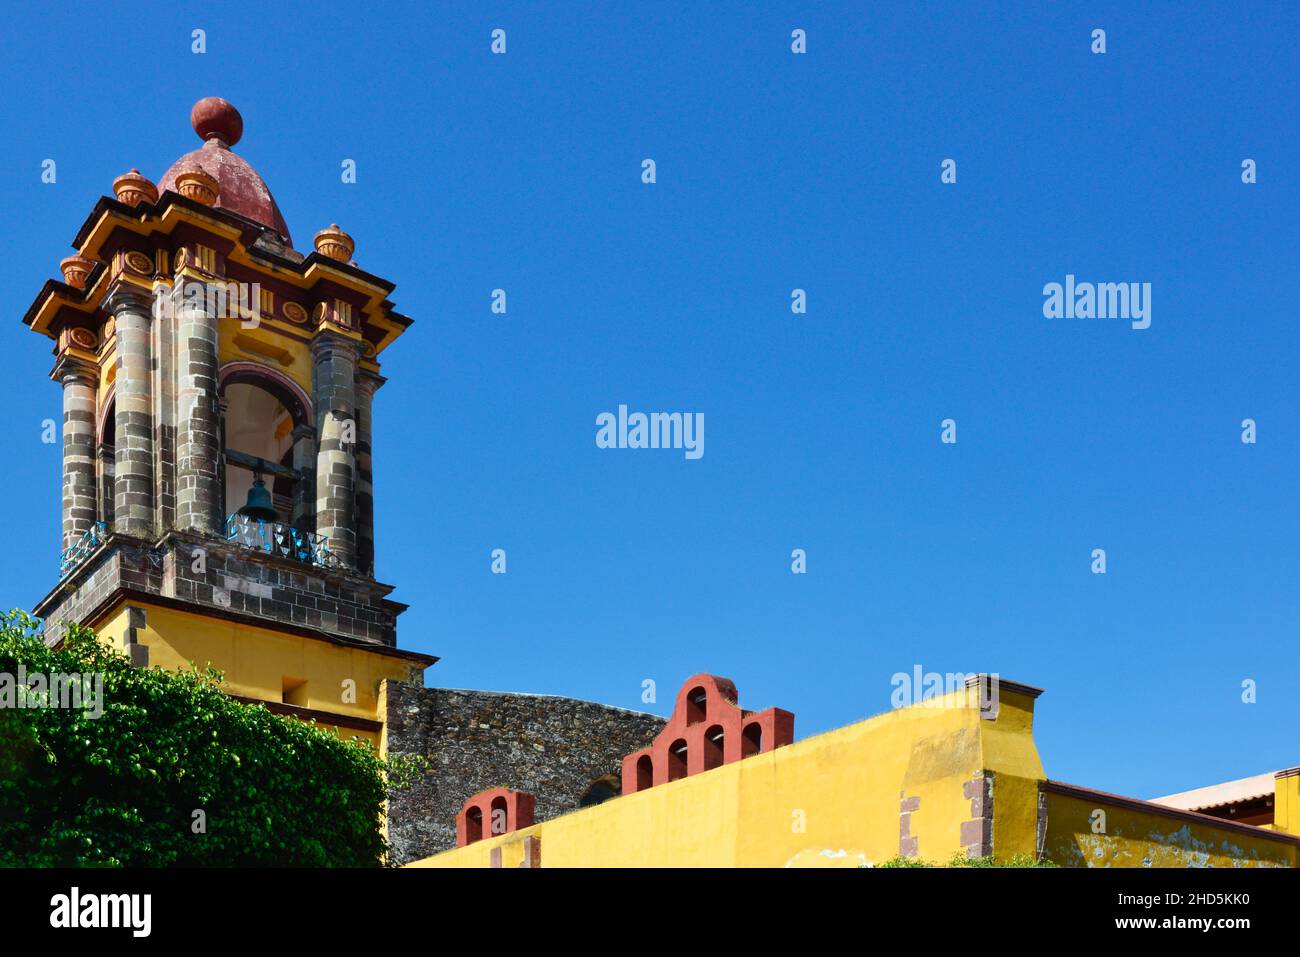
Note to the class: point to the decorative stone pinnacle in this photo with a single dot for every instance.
(193, 183)
(216, 119)
(335, 243)
(133, 188)
(75, 269)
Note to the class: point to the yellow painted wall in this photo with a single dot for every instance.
(848, 785)
(1135, 838)
(1007, 747)
(234, 344)
(1286, 802)
(256, 660)
(843, 787)
(107, 374)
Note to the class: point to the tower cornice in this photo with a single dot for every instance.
(157, 230)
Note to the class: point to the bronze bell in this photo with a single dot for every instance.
(259, 504)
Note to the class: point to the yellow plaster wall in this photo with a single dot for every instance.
(1007, 746)
(1286, 803)
(256, 660)
(827, 801)
(1135, 838)
(107, 374)
(232, 340)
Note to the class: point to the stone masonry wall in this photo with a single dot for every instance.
(230, 578)
(131, 564)
(550, 746)
(282, 590)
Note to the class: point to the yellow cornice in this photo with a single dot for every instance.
(371, 310)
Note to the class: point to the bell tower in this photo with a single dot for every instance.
(218, 391)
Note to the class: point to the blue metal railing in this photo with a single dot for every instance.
(271, 537)
(278, 539)
(73, 556)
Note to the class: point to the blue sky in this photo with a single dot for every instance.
(775, 172)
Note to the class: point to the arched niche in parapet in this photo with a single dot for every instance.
(679, 753)
(645, 772)
(697, 700)
(714, 740)
(473, 825)
(498, 815)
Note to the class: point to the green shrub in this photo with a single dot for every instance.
(123, 789)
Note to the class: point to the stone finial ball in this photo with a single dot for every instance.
(214, 117)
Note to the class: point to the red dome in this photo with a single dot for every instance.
(241, 190)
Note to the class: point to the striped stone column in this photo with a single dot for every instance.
(133, 415)
(334, 363)
(79, 381)
(367, 384)
(198, 448)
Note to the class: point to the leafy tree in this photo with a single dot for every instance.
(172, 772)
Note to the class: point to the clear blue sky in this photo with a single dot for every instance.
(775, 171)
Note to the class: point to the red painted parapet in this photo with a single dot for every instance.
(492, 813)
(708, 729)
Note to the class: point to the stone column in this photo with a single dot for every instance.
(367, 384)
(304, 493)
(133, 417)
(198, 451)
(80, 381)
(164, 415)
(334, 395)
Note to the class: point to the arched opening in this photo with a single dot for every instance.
(752, 740)
(473, 825)
(601, 790)
(697, 700)
(645, 772)
(500, 822)
(677, 760)
(106, 459)
(258, 437)
(713, 740)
